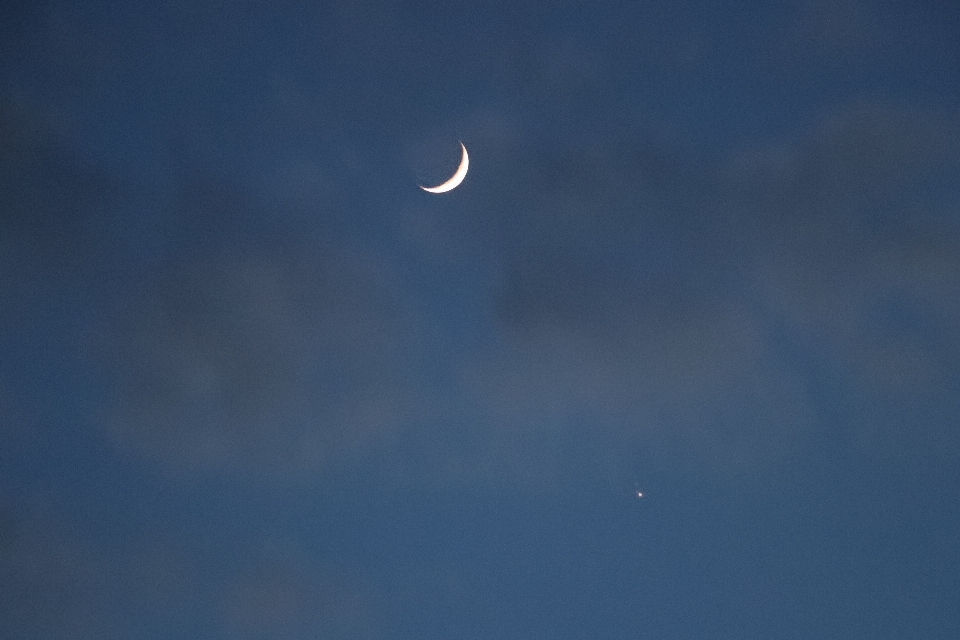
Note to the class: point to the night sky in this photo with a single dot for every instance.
(256, 384)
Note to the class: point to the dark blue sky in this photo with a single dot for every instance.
(254, 383)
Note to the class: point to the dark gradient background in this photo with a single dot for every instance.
(254, 383)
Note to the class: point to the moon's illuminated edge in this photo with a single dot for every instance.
(457, 178)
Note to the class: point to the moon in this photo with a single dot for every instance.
(457, 178)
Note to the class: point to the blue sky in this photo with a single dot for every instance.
(254, 383)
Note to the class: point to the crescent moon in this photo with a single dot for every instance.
(457, 178)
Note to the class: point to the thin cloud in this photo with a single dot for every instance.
(823, 255)
(278, 358)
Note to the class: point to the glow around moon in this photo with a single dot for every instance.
(457, 178)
